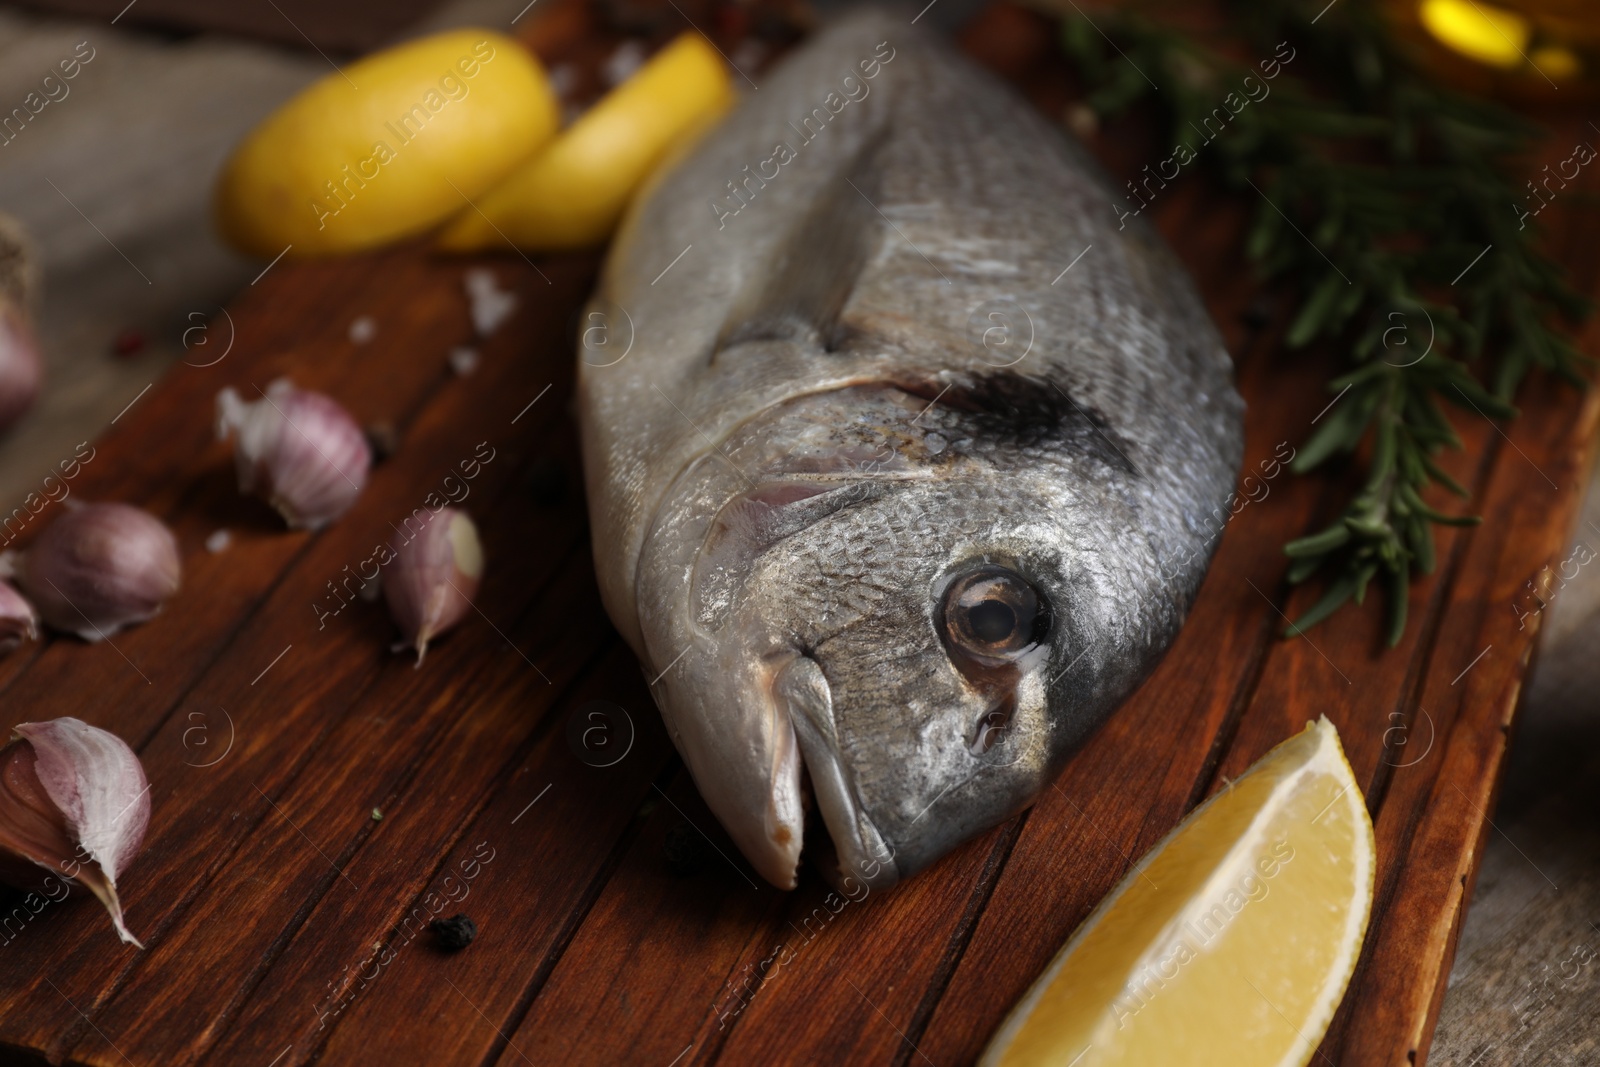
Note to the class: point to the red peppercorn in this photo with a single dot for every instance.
(127, 343)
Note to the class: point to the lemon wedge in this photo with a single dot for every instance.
(1230, 943)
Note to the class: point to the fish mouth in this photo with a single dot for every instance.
(858, 852)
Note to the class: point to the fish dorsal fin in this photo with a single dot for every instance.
(816, 265)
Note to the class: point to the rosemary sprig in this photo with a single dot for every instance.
(1375, 190)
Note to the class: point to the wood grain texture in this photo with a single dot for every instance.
(285, 886)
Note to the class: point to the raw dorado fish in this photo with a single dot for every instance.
(906, 452)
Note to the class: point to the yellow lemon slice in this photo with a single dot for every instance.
(1230, 943)
(573, 193)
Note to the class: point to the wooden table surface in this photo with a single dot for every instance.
(316, 799)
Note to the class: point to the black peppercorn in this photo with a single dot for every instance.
(1259, 311)
(382, 438)
(455, 932)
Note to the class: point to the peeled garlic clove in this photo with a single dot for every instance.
(73, 801)
(298, 450)
(433, 575)
(18, 621)
(98, 568)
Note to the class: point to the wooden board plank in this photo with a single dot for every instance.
(1436, 813)
(283, 919)
(260, 592)
(1448, 769)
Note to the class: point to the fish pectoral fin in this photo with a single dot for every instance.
(817, 263)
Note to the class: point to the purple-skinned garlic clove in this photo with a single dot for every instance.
(20, 366)
(18, 621)
(433, 575)
(298, 450)
(98, 568)
(74, 802)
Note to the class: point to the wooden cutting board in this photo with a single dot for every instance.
(316, 799)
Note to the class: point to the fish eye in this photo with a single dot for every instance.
(994, 615)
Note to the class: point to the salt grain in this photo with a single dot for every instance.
(218, 541)
(490, 305)
(363, 330)
(620, 65)
(749, 54)
(563, 80)
(464, 360)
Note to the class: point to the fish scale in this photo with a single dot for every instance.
(884, 494)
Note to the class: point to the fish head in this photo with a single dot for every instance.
(905, 612)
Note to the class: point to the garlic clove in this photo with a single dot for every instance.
(298, 450)
(432, 576)
(98, 568)
(20, 366)
(18, 621)
(32, 828)
(73, 800)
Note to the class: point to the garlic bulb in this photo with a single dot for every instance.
(98, 568)
(74, 802)
(432, 575)
(298, 450)
(20, 367)
(18, 621)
